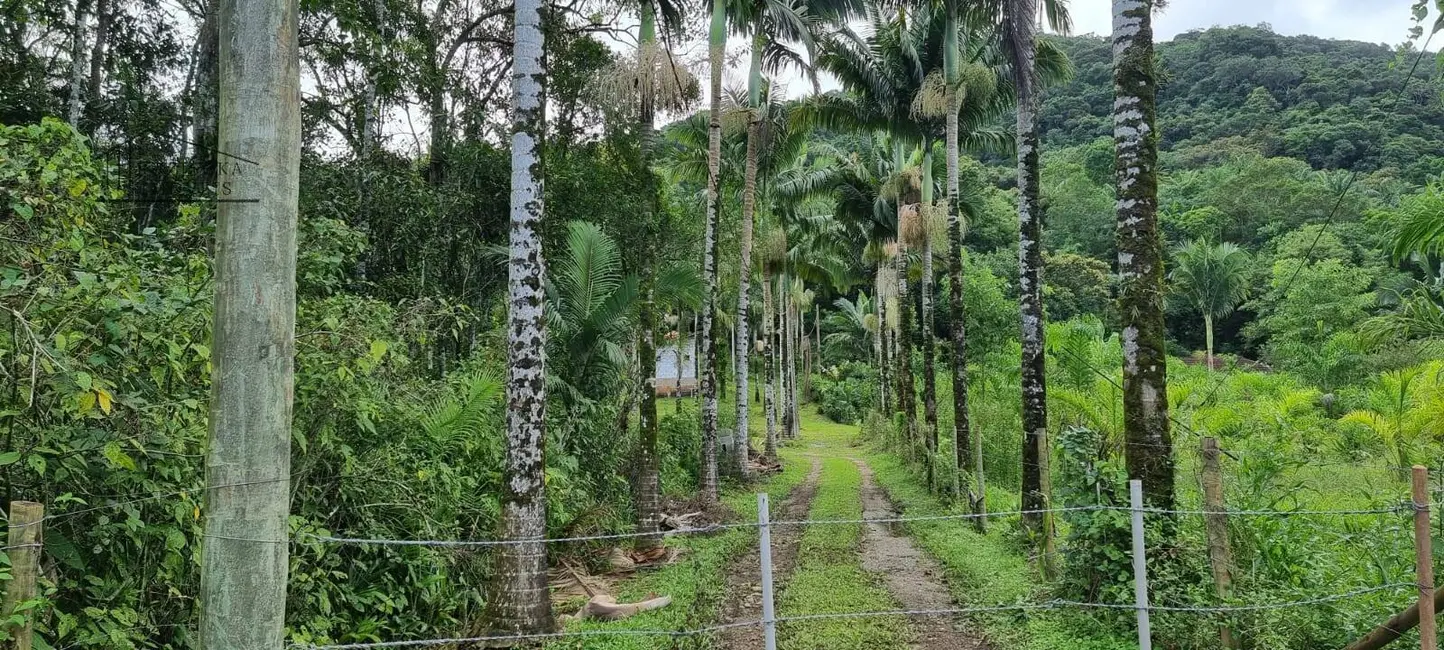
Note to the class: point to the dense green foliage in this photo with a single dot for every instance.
(1302, 165)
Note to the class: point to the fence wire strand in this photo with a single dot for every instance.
(799, 618)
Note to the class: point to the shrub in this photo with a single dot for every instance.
(846, 392)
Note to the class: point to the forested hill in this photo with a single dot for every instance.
(1329, 102)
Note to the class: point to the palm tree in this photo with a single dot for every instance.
(522, 603)
(1393, 414)
(860, 324)
(707, 372)
(1020, 40)
(652, 79)
(774, 257)
(1213, 278)
(772, 24)
(1140, 254)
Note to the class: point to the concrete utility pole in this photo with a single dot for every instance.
(244, 557)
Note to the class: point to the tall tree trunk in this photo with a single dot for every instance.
(1023, 51)
(881, 339)
(925, 319)
(648, 464)
(769, 373)
(103, 18)
(744, 255)
(245, 557)
(371, 127)
(77, 63)
(707, 375)
(907, 390)
(1208, 340)
(522, 603)
(783, 348)
(795, 421)
(204, 98)
(648, 488)
(962, 442)
(1140, 254)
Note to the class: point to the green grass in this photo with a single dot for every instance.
(989, 570)
(696, 582)
(829, 577)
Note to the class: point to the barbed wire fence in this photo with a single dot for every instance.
(769, 622)
(25, 548)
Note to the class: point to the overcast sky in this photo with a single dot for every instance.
(1373, 21)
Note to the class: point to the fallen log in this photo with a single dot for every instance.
(606, 608)
(1395, 627)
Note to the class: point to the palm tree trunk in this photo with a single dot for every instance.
(962, 444)
(648, 488)
(648, 464)
(707, 372)
(925, 322)
(522, 603)
(245, 556)
(1023, 50)
(884, 397)
(776, 359)
(907, 391)
(784, 345)
(1208, 340)
(793, 364)
(1140, 254)
(744, 255)
(768, 373)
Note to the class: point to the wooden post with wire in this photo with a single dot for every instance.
(23, 547)
(1424, 560)
(1220, 555)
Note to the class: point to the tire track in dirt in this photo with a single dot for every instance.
(744, 576)
(914, 578)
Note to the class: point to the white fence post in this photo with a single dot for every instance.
(1140, 567)
(764, 549)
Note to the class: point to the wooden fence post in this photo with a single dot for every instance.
(1220, 556)
(1424, 560)
(26, 521)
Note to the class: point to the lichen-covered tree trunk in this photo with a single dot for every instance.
(794, 323)
(648, 487)
(248, 463)
(205, 95)
(769, 370)
(884, 395)
(906, 390)
(371, 127)
(962, 442)
(707, 375)
(522, 603)
(104, 16)
(777, 361)
(77, 63)
(1023, 51)
(744, 287)
(1140, 254)
(925, 324)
